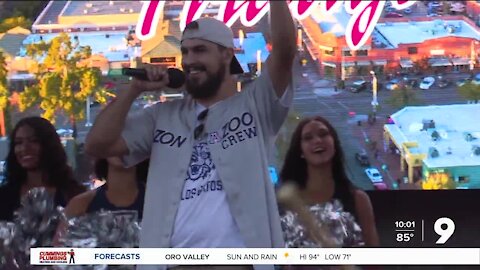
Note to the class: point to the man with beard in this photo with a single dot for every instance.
(220, 195)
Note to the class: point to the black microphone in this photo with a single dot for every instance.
(176, 77)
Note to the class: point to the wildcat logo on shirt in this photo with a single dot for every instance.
(200, 175)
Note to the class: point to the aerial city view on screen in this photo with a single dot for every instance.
(404, 103)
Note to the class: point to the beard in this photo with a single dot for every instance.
(209, 88)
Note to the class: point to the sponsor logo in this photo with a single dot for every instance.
(57, 257)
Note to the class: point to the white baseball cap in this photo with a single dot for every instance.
(215, 31)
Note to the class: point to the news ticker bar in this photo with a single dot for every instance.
(251, 256)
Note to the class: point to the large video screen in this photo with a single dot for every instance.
(402, 97)
(399, 82)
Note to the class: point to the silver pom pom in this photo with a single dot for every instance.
(105, 229)
(339, 224)
(35, 223)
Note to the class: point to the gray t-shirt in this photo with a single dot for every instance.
(241, 132)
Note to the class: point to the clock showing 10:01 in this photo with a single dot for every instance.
(444, 227)
(405, 224)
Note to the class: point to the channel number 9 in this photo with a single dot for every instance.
(446, 233)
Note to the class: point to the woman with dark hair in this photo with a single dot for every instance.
(36, 158)
(315, 164)
(124, 189)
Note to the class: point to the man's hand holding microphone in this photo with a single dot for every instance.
(154, 78)
(104, 139)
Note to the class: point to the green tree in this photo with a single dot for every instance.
(436, 181)
(403, 96)
(3, 93)
(470, 91)
(27, 9)
(12, 22)
(63, 83)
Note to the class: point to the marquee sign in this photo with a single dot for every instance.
(365, 14)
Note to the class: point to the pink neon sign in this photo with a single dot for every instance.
(365, 14)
